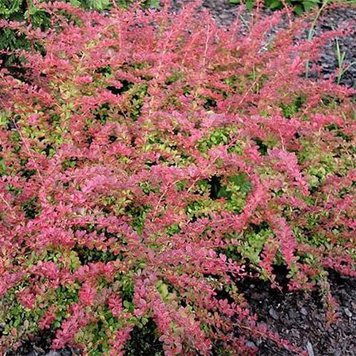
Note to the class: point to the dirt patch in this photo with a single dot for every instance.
(300, 317)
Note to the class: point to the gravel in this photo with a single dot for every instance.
(301, 317)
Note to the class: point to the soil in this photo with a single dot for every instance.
(300, 318)
(297, 317)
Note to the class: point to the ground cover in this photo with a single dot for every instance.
(160, 174)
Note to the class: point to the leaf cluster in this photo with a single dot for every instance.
(147, 161)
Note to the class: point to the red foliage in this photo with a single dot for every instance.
(110, 146)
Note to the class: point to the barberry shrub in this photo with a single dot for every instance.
(150, 162)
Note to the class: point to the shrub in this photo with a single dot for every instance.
(149, 162)
(30, 12)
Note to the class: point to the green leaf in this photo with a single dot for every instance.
(75, 3)
(250, 4)
(98, 4)
(308, 5)
(298, 9)
(154, 4)
(9, 7)
(275, 5)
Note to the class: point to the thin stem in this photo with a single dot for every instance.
(311, 31)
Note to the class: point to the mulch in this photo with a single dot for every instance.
(301, 319)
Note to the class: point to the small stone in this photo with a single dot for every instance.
(353, 304)
(304, 311)
(347, 312)
(39, 350)
(251, 344)
(53, 353)
(273, 314)
(310, 349)
(224, 17)
(66, 353)
(292, 314)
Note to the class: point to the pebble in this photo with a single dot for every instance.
(272, 312)
(310, 349)
(292, 314)
(251, 344)
(304, 311)
(66, 353)
(347, 312)
(39, 350)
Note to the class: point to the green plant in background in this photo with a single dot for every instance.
(92, 4)
(298, 6)
(25, 10)
(18, 10)
(106, 4)
(9, 7)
